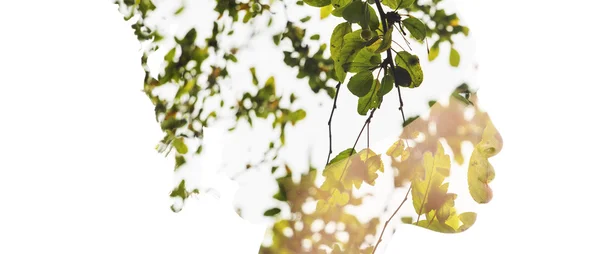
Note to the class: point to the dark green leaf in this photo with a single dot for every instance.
(318, 3)
(315, 37)
(409, 120)
(410, 63)
(355, 12)
(373, 18)
(343, 155)
(305, 19)
(272, 212)
(172, 123)
(360, 84)
(454, 57)
(404, 79)
(416, 28)
(387, 84)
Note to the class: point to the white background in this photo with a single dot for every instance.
(78, 172)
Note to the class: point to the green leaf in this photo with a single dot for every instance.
(465, 30)
(370, 100)
(454, 57)
(315, 37)
(337, 38)
(326, 11)
(343, 155)
(352, 44)
(385, 43)
(434, 51)
(180, 146)
(363, 61)
(169, 56)
(339, 7)
(179, 11)
(180, 191)
(317, 3)
(373, 19)
(407, 219)
(305, 19)
(416, 28)
(404, 79)
(360, 84)
(387, 84)
(179, 160)
(172, 123)
(297, 116)
(411, 64)
(355, 12)
(397, 4)
(410, 120)
(272, 212)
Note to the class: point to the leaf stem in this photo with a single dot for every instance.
(337, 91)
(389, 58)
(390, 218)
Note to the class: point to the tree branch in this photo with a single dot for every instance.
(389, 58)
(389, 219)
(337, 90)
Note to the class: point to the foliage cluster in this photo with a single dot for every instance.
(365, 54)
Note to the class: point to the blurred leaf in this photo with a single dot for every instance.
(454, 57)
(434, 51)
(180, 146)
(326, 11)
(272, 212)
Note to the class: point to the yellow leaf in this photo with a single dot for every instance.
(325, 11)
(491, 141)
(479, 174)
(398, 149)
(442, 161)
(467, 219)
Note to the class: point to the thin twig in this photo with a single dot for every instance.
(389, 219)
(356, 141)
(337, 90)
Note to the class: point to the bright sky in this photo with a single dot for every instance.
(78, 172)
